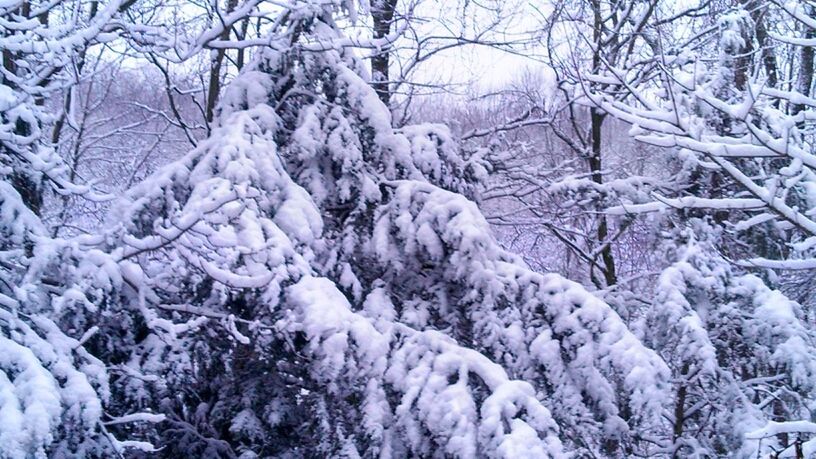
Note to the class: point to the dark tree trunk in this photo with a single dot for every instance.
(768, 54)
(596, 168)
(680, 411)
(240, 59)
(596, 154)
(805, 80)
(25, 184)
(382, 13)
(214, 85)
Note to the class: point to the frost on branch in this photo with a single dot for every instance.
(745, 144)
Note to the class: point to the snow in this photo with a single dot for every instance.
(42, 387)
(421, 368)
(309, 268)
(591, 337)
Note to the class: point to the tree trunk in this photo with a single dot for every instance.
(382, 13)
(595, 158)
(214, 85)
(805, 80)
(596, 168)
(768, 54)
(25, 184)
(679, 410)
(240, 59)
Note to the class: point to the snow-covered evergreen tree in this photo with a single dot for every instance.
(739, 351)
(52, 390)
(311, 281)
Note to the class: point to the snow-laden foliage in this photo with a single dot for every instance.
(743, 137)
(596, 376)
(310, 280)
(216, 251)
(52, 390)
(740, 353)
(721, 184)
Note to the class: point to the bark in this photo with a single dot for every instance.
(241, 58)
(679, 411)
(214, 85)
(743, 63)
(30, 190)
(382, 13)
(596, 153)
(767, 53)
(805, 80)
(596, 168)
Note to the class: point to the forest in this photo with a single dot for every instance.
(407, 228)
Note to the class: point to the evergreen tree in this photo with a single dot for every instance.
(312, 281)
